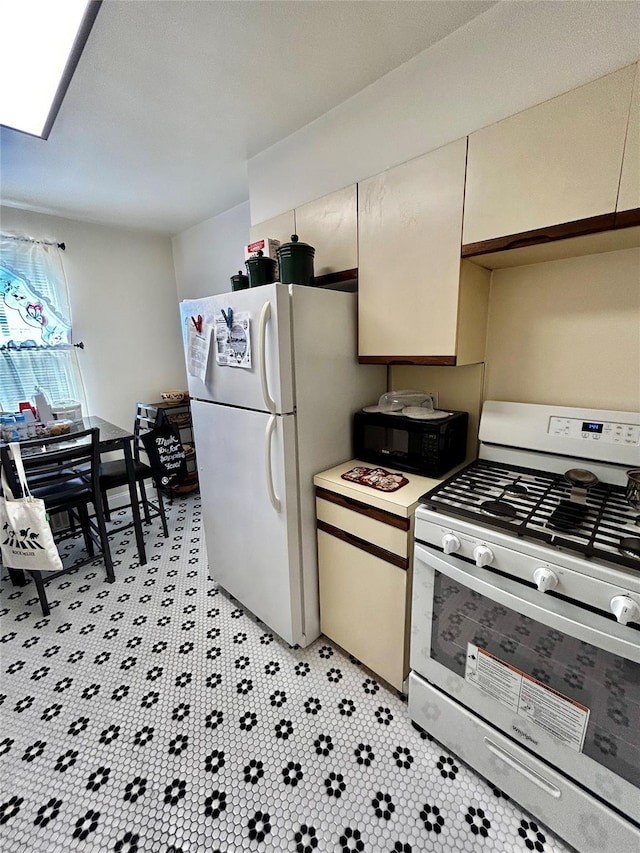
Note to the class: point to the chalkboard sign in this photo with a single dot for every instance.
(167, 458)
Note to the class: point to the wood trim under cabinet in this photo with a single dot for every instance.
(335, 277)
(591, 225)
(381, 515)
(627, 218)
(442, 360)
(374, 550)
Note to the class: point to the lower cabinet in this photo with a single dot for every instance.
(365, 544)
(363, 605)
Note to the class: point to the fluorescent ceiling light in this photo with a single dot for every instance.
(41, 43)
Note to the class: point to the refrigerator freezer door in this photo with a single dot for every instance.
(253, 547)
(268, 384)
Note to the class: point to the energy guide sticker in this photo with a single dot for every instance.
(526, 696)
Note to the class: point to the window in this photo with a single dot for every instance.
(35, 325)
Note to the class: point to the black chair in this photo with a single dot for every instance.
(63, 471)
(114, 475)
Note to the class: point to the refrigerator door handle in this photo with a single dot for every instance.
(269, 402)
(275, 501)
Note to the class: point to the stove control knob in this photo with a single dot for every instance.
(545, 579)
(450, 543)
(482, 555)
(625, 609)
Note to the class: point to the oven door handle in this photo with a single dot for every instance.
(522, 768)
(563, 616)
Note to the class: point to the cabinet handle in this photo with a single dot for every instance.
(521, 242)
(368, 547)
(354, 505)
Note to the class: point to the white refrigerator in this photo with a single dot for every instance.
(262, 432)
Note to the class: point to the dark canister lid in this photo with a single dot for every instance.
(259, 259)
(295, 247)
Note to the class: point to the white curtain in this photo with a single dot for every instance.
(36, 349)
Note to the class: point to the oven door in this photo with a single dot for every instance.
(561, 680)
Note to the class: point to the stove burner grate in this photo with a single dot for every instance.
(500, 509)
(568, 515)
(630, 545)
(593, 528)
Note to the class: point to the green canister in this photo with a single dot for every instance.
(239, 281)
(296, 262)
(262, 270)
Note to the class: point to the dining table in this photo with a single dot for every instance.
(111, 438)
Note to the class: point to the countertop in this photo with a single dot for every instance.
(402, 502)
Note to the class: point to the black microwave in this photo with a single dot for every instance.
(426, 447)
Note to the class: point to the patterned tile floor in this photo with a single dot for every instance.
(155, 715)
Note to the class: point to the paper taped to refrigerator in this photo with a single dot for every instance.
(233, 340)
(198, 345)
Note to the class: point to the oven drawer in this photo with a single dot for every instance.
(364, 522)
(582, 820)
(363, 606)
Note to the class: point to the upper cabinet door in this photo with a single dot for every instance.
(281, 228)
(556, 162)
(330, 225)
(409, 229)
(629, 195)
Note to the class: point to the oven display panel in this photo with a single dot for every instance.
(609, 432)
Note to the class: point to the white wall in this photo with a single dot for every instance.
(512, 57)
(567, 332)
(208, 254)
(124, 307)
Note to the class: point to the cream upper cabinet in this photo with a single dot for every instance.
(409, 231)
(330, 225)
(557, 162)
(629, 195)
(280, 228)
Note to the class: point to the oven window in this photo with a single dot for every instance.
(608, 685)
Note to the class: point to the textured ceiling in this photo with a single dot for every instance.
(171, 98)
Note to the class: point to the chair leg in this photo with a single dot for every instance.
(105, 505)
(163, 515)
(44, 604)
(104, 540)
(83, 512)
(17, 577)
(145, 502)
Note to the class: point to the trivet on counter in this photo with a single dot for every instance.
(375, 478)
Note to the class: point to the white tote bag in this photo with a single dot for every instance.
(26, 539)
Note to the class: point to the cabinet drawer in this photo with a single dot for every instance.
(365, 526)
(363, 607)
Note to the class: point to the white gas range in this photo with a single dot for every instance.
(525, 645)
